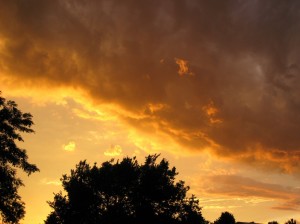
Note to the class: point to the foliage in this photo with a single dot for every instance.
(273, 222)
(225, 218)
(12, 123)
(124, 192)
(291, 221)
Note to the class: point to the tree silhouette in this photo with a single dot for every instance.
(124, 192)
(273, 222)
(225, 218)
(12, 123)
(291, 221)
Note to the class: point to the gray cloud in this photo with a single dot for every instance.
(241, 92)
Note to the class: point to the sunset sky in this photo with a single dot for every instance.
(213, 86)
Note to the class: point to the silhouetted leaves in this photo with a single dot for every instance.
(291, 221)
(273, 222)
(12, 123)
(124, 192)
(225, 218)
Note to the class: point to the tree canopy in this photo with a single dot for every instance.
(291, 221)
(12, 123)
(124, 192)
(225, 218)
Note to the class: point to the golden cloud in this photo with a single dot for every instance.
(183, 67)
(115, 150)
(70, 146)
(244, 91)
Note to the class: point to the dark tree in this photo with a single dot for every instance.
(273, 222)
(225, 218)
(291, 221)
(12, 123)
(124, 192)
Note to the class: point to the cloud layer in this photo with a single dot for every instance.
(234, 186)
(210, 74)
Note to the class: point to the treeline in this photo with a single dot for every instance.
(290, 221)
(115, 192)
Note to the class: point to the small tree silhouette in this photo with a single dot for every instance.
(124, 192)
(273, 222)
(291, 221)
(225, 218)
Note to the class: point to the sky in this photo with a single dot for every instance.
(213, 86)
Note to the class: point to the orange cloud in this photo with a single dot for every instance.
(115, 150)
(110, 52)
(183, 67)
(246, 189)
(212, 112)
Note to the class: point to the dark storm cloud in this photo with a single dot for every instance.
(208, 73)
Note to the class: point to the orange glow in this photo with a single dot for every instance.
(198, 82)
(212, 112)
(183, 67)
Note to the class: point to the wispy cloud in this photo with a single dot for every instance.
(70, 146)
(115, 150)
(250, 191)
(46, 181)
(183, 67)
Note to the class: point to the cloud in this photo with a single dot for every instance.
(45, 181)
(242, 100)
(115, 150)
(251, 191)
(70, 146)
(183, 67)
